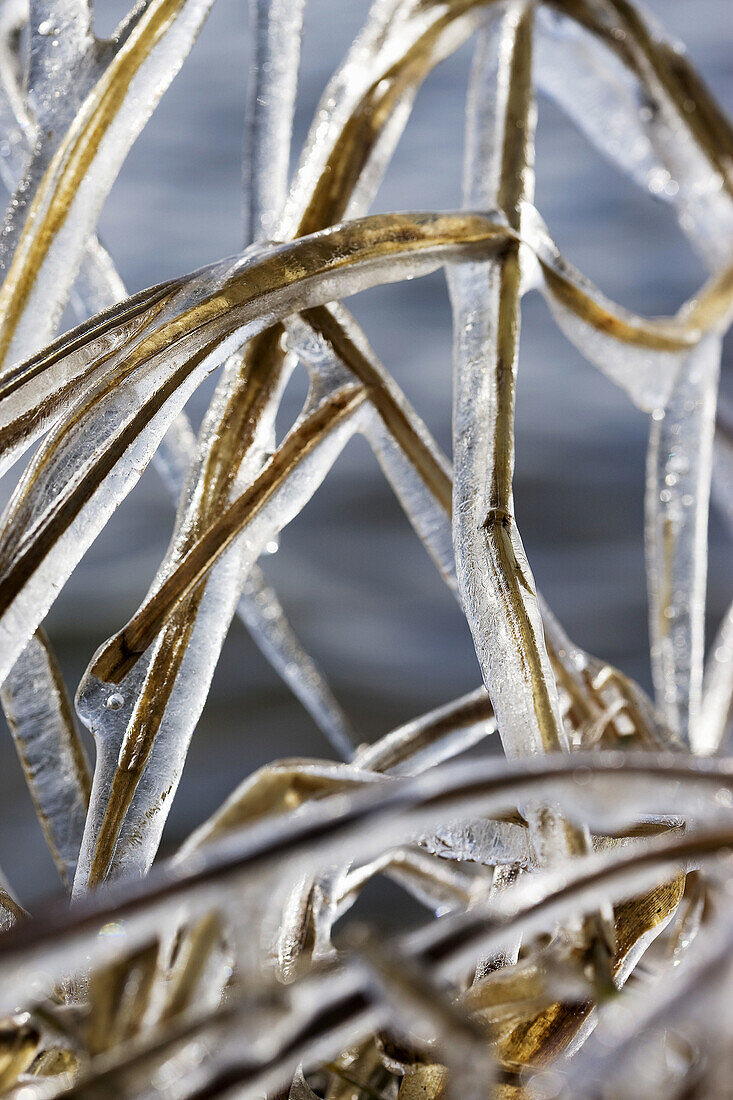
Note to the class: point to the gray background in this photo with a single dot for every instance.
(361, 591)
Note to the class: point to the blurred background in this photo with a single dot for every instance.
(358, 587)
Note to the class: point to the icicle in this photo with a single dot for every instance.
(678, 488)
(260, 611)
(714, 722)
(275, 28)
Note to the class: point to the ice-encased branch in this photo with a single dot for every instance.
(68, 939)
(90, 100)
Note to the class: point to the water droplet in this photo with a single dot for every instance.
(724, 798)
(47, 28)
(658, 180)
(114, 928)
(115, 701)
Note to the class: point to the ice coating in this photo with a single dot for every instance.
(276, 43)
(494, 579)
(314, 905)
(599, 703)
(681, 783)
(644, 135)
(98, 287)
(282, 874)
(300, 1089)
(645, 1017)
(144, 401)
(630, 116)
(431, 738)
(270, 122)
(33, 393)
(167, 754)
(131, 71)
(374, 88)
(647, 374)
(660, 155)
(491, 843)
(41, 720)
